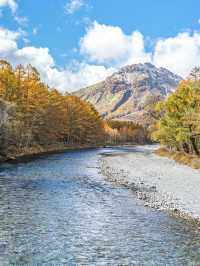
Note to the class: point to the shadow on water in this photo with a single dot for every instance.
(59, 210)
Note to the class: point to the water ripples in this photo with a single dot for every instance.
(59, 210)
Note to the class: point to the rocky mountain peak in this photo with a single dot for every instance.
(124, 94)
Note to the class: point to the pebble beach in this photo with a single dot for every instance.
(160, 182)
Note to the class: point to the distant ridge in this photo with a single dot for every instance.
(125, 94)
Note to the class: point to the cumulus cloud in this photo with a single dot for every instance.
(8, 42)
(109, 44)
(179, 54)
(137, 53)
(84, 75)
(107, 48)
(39, 57)
(74, 5)
(65, 79)
(10, 3)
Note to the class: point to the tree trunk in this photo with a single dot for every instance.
(194, 146)
(186, 148)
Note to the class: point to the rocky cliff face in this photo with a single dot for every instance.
(126, 93)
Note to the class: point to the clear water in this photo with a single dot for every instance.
(59, 210)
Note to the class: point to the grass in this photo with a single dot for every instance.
(180, 157)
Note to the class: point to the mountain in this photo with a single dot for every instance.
(125, 94)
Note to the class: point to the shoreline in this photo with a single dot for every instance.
(38, 151)
(158, 188)
(180, 157)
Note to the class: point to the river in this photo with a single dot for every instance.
(59, 210)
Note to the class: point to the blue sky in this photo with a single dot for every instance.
(74, 43)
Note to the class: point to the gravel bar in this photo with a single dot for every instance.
(160, 182)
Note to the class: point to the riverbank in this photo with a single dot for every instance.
(180, 157)
(33, 152)
(59, 210)
(160, 182)
(38, 150)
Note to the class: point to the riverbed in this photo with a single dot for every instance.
(61, 210)
(160, 182)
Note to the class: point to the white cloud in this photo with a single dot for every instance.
(108, 48)
(64, 80)
(8, 42)
(10, 3)
(9, 50)
(179, 54)
(109, 44)
(137, 53)
(35, 31)
(22, 21)
(74, 5)
(85, 75)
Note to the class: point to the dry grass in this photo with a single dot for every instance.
(180, 157)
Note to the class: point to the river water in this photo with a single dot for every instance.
(59, 210)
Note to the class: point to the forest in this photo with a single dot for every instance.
(120, 132)
(32, 115)
(178, 126)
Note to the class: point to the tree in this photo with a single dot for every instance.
(43, 116)
(195, 74)
(126, 132)
(179, 126)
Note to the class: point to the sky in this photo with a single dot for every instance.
(76, 43)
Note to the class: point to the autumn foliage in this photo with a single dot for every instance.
(124, 132)
(33, 114)
(179, 125)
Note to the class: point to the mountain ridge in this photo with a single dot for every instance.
(124, 94)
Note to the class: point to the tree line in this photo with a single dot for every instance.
(178, 126)
(126, 132)
(32, 114)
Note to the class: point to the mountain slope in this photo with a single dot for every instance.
(125, 94)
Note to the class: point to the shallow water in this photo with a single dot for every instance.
(59, 210)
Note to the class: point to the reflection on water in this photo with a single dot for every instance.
(58, 210)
